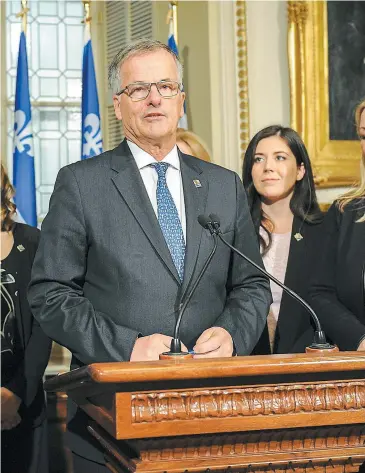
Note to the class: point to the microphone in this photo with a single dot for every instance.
(175, 347)
(319, 343)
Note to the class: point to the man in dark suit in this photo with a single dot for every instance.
(121, 245)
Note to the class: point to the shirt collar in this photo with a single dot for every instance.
(143, 159)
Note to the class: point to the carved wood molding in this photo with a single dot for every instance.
(347, 465)
(339, 449)
(234, 445)
(242, 67)
(253, 401)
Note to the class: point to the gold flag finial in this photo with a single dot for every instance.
(23, 15)
(172, 18)
(87, 18)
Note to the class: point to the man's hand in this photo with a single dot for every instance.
(213, 343)
(361, 347)
(149, 348)
(10, 403)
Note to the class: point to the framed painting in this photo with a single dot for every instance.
(326, 44)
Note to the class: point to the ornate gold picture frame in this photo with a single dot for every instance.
(242, 67)
(336, 162)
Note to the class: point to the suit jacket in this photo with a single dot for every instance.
(103, 273)
(338, 289)
(35, 346)
(295, 329)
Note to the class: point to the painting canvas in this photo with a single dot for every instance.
(326, 47)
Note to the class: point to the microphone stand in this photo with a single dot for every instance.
(319, 343)
(175, 347)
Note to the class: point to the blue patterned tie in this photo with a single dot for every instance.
(169, 220)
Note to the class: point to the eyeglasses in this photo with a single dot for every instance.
(141, 90)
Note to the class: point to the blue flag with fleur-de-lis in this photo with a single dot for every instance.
(23, 152)
(91, 140)
(171, 43)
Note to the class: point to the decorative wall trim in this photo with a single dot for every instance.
(242, 70)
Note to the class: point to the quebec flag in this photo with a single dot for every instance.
(91, 140)
(171, 43)
(23, 151)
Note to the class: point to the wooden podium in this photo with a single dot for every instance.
(281, 413)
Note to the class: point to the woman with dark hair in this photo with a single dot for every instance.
(24, 348)
(278, 179)
(338, 291)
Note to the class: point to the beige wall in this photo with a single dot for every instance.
(160, 27)
(268, 75)
(194, 51)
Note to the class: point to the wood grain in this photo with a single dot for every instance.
(241, 366)
(263, 414)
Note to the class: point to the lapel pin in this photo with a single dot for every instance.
(298, 236)
(20, 248)
(197, 183)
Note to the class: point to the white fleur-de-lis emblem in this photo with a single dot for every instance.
(23, 133)
(92, 143)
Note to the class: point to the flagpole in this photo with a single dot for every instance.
(23, 152)
(172, 15)
(23, 15)
(174, 19)
(172, 43)
(91, 135)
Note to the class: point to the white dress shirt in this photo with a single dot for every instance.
(173, 178)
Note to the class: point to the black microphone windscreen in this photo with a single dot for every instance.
(204, 221)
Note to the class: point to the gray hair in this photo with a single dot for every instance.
(135, 48)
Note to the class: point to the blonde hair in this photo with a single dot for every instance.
(8, 208)
(196, 144)
(359, 191)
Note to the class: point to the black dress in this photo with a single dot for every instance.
(295, 329)
(338, 289)
(24, 355)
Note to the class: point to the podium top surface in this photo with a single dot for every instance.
(214, 368)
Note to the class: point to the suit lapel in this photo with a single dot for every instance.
(195, 187)
(290, 310)
(130, 185)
